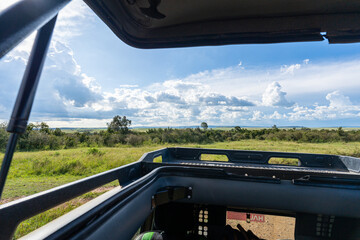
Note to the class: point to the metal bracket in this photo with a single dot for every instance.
(170, 194)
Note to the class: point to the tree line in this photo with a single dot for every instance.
(41, 137)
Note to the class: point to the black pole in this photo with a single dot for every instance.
(10, 148)
(26, 95)
(21, 19)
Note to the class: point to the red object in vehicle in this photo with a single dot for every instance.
(242, 216)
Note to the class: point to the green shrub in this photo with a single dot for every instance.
(71, 141)
(95, 151)
(134, 140)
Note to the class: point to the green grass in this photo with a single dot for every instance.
(340, 148)
(18, 187)
(214, 157)
(33, 172)
(40, 220)
(75, 162)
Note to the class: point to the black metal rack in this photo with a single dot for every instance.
(186, 162)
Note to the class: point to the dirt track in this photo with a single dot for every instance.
(273, 228)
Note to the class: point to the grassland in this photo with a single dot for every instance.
(32, 172)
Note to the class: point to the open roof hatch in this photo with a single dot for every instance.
(321, 184)
(185, 23)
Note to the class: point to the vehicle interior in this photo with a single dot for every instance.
(175, 192)
(189, 198)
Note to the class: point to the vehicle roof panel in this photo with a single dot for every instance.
(173, 23)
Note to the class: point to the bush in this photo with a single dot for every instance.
(41, 137)
(34, 140)
(156, 140)
(4, 136)
(95, 151)
(55, 142)
(134, 140)
(71, 141)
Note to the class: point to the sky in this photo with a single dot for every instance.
(90, 76)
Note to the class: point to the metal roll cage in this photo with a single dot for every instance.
(16, 23)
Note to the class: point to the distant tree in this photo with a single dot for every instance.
(340, 131)
(58, 132)
(204, 125)
(119, 124)
(30, 127)
(44, 128)
(237, 128)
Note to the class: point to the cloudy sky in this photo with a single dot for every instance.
(91, 76)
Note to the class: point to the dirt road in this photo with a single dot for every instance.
(273, 228)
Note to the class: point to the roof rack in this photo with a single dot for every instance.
(250, 167)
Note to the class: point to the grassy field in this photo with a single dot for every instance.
(32, 172)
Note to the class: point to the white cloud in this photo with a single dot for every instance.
(68, 92)
(78, 123)
(290, 69)
(338, 100)
(169, 98)
(70, 21)
(277, 116)
(340, 107)
(313, 78)
(128, 86)
(214, 99)
(273, 96)
(257, 116)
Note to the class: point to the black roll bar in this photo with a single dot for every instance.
(26, 95)
(13, 213)
(21, 19)
(16, 23)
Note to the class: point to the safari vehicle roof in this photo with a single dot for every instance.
(174, 23)
(181, 23)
